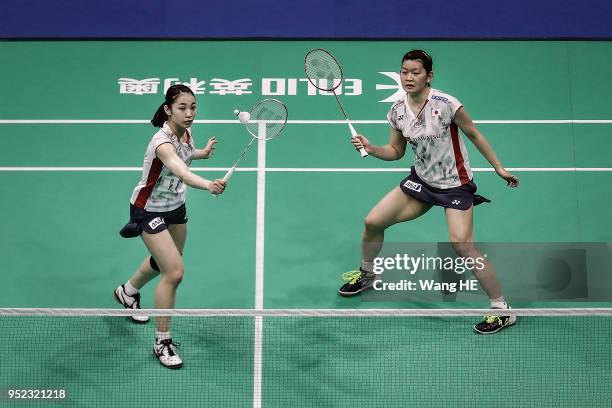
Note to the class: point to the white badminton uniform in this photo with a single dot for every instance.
(159, 190)
(440, 155)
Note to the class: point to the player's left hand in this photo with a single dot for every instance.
(208, 151)
(511, 179)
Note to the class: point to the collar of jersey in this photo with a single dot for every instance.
(166, 129)
(409, 111)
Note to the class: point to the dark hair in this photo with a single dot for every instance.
(422, 56)
(171, 94)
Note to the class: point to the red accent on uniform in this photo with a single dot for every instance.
(463, 175)
(145, 192)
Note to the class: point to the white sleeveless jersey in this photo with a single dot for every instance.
(440, 155)
(159, 190)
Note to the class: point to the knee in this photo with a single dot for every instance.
(372, 224)
(463, 247)
(174, 274)
(153, 264)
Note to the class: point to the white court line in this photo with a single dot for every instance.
(298, 170)
(261, 214)
(297, 121)
(259, 264)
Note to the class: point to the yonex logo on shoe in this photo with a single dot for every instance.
(156, 222)
(456, 202)
(412, 185)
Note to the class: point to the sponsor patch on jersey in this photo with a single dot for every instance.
(156, 222)
(439, 98)
(412, 185)
(418, 123)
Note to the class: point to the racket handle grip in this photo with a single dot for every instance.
(352, 129)
(362, 151)
(226, 177)
(229, 174)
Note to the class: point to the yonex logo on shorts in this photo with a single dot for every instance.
(456, 202)
(156, 222)
(412, 185)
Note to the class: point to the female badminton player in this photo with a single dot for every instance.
(158, 214)
(428, 120)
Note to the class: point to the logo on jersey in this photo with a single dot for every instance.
(412, 186)
(156, 222)
(439, 98)
(418, 123)
(436, 113)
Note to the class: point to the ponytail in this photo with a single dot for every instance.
(171, 94)
(160, 116)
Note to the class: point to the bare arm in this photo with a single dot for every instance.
(167, 154)
(465, 123)
(395, 150)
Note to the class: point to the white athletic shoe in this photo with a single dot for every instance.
(130, 302)
(165, 351)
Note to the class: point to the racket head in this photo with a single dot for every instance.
(273, 113)
(323, 69)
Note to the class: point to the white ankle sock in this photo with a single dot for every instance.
(129, 289)
(498, 303)
(159, 336)
(367, 266)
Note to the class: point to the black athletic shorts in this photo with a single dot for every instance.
(152, 222)
(461, 198)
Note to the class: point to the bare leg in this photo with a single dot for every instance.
(145, 272)
(163, 247)
(393, 208)
(460, 231)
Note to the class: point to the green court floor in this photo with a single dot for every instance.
(66, 189)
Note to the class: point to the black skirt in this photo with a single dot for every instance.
(460, 198)
(152, 222)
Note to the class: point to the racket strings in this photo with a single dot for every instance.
(271, 112)
(323, 70)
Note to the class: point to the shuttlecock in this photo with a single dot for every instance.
(244, 117)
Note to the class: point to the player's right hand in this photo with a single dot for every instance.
(361, 141)
(217, 187)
